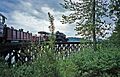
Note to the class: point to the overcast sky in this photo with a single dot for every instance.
(31, 15)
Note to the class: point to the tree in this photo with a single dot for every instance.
(52, 29)
(115, 16)
(51, 19)
(87, 14)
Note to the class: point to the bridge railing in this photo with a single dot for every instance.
(64, 49)
(71, 46)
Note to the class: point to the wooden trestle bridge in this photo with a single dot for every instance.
(26, 52)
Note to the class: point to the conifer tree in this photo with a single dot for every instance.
(87, 14)
(115, 16)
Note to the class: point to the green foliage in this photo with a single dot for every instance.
(89, 18)
(4, 70)
(67, 68)
(51, 19)
(87, 14)
(43, 66)
(23, 71)
(115, 16)
(104, 62)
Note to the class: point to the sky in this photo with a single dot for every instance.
(32, 15)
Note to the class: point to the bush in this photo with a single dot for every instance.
(99, 63)
(23, 71)
(67, 68)
(4, 70)
(103, 63)
(43, 66)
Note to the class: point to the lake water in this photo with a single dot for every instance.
(73, 39)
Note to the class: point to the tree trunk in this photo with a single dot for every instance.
(94, 34)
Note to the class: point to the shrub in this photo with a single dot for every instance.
(99, 63)
(67, 68)
(103, 63)
(43, 66)
(4, 70)
(23, 71)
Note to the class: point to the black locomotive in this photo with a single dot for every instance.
(60, 37)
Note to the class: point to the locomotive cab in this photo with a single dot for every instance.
(2, 23)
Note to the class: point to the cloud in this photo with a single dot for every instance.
(32, 15)
(34, 18)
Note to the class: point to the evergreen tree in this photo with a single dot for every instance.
(87, 14)
(51, 19)
(115, 16)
